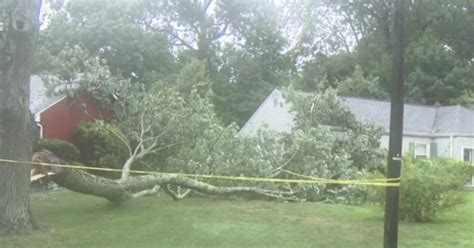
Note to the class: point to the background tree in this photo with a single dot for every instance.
(358, 85)
(436, 73)
(148, 41)
(440, 53)
(111, 30)
(18, 29)
(238, 41)
(247, 48)
(466, 99)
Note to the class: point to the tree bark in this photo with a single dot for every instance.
(119, 190)
(18, 28)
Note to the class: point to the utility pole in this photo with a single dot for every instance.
(396, 129)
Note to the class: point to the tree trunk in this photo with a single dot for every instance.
(120, 190)
(18, 28)
(126, 167)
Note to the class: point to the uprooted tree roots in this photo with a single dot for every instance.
(136, 186)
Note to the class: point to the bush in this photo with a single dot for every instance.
(101, 146)
(62, 149)
(429, 187)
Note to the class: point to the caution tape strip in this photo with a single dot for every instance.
(309, 180)
(397, 179)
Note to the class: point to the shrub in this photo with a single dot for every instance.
(429, 187)
(101, 146)
(62, 149)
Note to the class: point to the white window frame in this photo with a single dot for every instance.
(427, 151)
(471, 183)
(472, 154)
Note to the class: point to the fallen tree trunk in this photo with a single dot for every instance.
(120, 190)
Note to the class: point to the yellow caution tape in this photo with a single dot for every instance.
(309, 180)
(396, 179)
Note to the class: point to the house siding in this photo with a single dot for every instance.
(60, 119)
(444, 147)
(273, 114)
(459, 144)
(407, 140)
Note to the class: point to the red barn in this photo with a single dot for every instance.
(57, 116)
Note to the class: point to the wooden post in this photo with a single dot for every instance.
(396, 129)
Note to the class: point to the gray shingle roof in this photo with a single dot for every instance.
(39, 100)
(454, 119)
(417, 118)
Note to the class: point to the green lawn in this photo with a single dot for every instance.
(74, 220)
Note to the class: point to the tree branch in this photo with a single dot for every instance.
(182, 41)
(149, 192)
(221, 33)
(120, 190)
(278, 170)
(123, 140)
(176, 195)
(207, 5)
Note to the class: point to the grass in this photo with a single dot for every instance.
(74, 220)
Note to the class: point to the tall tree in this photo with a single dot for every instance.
(439, 48)
(18, 29)
(436, 74)
(239, 44)
(362, 29)
(111, 30)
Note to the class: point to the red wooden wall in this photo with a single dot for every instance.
(59, 120)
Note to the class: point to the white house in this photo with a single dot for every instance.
(434, 131)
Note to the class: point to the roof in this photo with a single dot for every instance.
(39, 99)
(275, 113)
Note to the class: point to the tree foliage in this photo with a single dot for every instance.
(146, 41)
(436, 74)
(326, 111)
(64, 150)
(111, 30)
(429, 187)
(439, 54)
(358, 85)
(247, 48)
(98, 146)
(466, 99)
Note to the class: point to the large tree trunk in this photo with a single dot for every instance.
(18, 28)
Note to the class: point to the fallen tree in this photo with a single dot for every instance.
(173, 128)
(135, 186)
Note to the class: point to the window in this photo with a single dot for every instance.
(275, 102)
(421, 151)
(468, 155)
